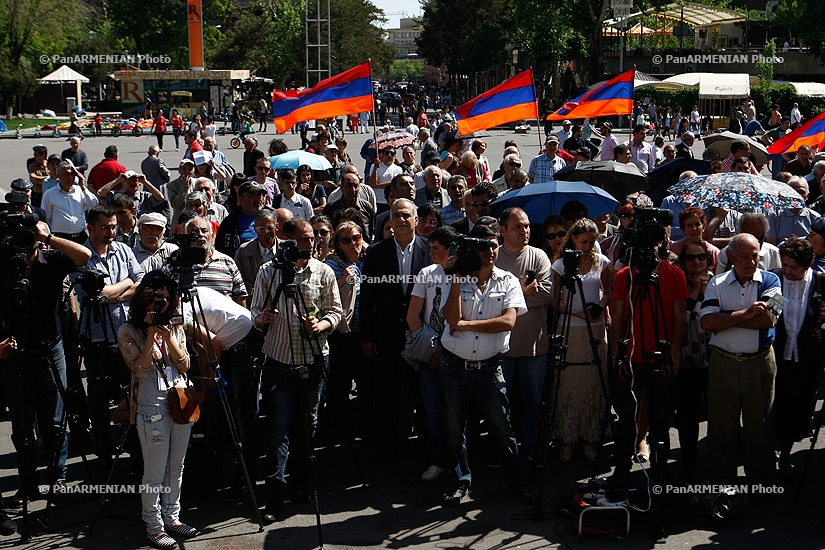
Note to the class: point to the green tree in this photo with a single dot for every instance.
(358, 36)
(404, 69)
(800, 17)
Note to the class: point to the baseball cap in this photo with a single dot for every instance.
(184, 162)
(331, 146)
(552, 137)
(21, 184)
(153, 218)
(129, 174)
(566, 122)
(251, 187)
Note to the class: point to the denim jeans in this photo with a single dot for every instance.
(280, 386)
(45, 405)
(164, 446)
(488, 389)
(432, 417)
(530, 373)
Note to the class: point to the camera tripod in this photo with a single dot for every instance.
(646, 300)
(190, 294)
(571, 282)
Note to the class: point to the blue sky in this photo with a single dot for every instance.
(412, 7)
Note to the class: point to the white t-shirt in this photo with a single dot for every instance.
(591, 284)
(385, 175)
(226, 319)
(209, 130)
(433, 286)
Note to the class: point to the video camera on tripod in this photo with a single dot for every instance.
(644, 236)
(467, 261)
(183, 260)
(15, 226)
(91, 281)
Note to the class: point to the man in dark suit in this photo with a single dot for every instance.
(253, 254)
(476, 204)
(251, 155)
(388, 271)
(685, 149)
(432, 190)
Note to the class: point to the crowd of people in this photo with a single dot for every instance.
(391, 343)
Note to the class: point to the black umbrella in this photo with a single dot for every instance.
(666, 175)
(618, 179)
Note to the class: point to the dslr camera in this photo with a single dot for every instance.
(467, 261)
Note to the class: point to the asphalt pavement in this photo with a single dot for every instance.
(362, 507)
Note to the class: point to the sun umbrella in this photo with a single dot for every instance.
(294, 159)
(721, 142)
(539, 200)
(663, 176)
(738, 191)
(618, 179)
(395, 138)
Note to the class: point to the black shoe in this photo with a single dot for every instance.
(273, 510)
(525, 495)
(454, 498)
(7, 526)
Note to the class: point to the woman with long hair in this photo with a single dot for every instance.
(155, 351)
(580, 404)
(322, 227)
(315, 192)
(692, 379)
(554, 234)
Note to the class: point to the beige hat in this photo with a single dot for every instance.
(153, 218)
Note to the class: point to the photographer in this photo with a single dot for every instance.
(640, 362)
(157, 358)
(286, 346)
(479, 317)
(35, 395)
(104, 312)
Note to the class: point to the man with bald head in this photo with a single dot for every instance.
(283, 215)
(154, 168)
(737, 312)
(388, 271)
(792, 221)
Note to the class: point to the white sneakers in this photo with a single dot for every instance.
(431, 473)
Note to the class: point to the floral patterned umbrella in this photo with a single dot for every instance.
(738, 191)
(395, 138)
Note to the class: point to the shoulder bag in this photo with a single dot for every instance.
(184, 403)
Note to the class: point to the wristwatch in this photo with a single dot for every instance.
(48, 239)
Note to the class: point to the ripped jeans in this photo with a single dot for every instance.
(164, 448)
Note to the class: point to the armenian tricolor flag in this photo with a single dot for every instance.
(812, 133)
(614, 97)
(343, 94)
(513, 99)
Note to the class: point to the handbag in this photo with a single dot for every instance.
(184, 403)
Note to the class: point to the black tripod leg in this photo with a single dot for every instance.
(804, 473)
(306, 428)
(121, 444)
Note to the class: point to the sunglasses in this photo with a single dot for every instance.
(515, 164)
(691, 257)
(261, 168)
(626, 216)
(355, 239)
(559, 235)
(484, 204)
(321, 232)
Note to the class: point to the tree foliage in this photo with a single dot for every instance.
(800, 16)
(404, 69)
(357, 36)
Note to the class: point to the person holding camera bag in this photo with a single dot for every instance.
(155, 351)
(580, 405)
(479, 317)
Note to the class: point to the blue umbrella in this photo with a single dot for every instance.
(539, 200)
(294, 159)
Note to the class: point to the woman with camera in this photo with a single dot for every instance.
(692, 379)
(580, 403)
(155, 351)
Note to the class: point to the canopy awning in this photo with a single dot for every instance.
(63, 74)
(638, 30)
(721, 85)
(810, 89)
(695, 15)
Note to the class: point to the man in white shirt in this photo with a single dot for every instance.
(382, 172)
(796, 115)
(640, 150)
(289, 198)
(565, 133)
(610, 142)
(66, 205)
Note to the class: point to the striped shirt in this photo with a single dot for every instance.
(220, 273)
(320, 290)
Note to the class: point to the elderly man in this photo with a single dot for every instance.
(219, 272)
(432, 190)
(76, 155)
(151, 251)
(178, 189)
(792, 221)
(685, 149)
(351, 198)
(239, 226)
(408, 164)
(262, 171)
(218, 158)
(737, 313)
(427, 144)
(543, 168)
(566, 131)
(251, 155)
(511, 163)
(147, 197)
(367, 193)
(253, 254)
(337, 170)
(756, 224)
(215, 212)
(66, 205)
(282, 216)
(154, 168)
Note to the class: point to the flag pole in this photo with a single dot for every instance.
(374, 128)
(538, 125)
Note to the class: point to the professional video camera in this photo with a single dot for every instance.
(91, 281)
(289, 254)
(644, 236)
(467, 261)
(185, 258)
(16, 227)
(570, 260)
